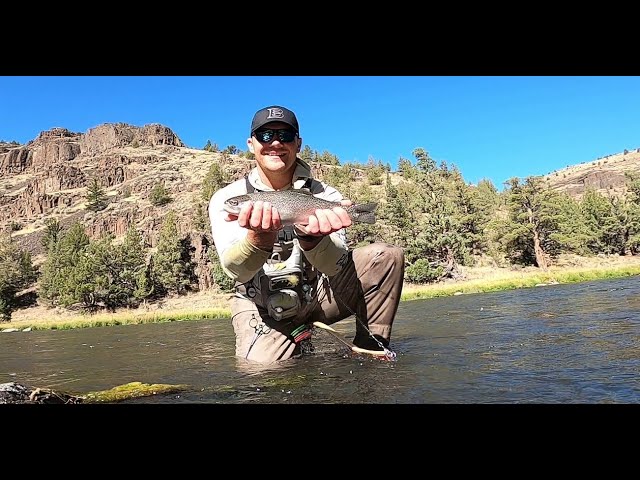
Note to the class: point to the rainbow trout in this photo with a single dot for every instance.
(295, 206)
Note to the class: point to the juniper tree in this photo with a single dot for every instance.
(211, 147)
(16, 273)
(96, 197)
(572, 233)
(58, 284)
(172, 269)
(306, 154)
(602, 222)
(218, 275)
(533, 217)
(488, 204)
(199, 217)
(159, 195)
(52, 231)
(214, 179)
(133, 277)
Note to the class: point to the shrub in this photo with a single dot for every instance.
(421, 271)
(159, 195)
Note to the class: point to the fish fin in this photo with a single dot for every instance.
(366, 207)
(364, 213)
(367, 217)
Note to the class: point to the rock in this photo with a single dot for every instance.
(17, 393)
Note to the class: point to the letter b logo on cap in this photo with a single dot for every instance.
(274, 113)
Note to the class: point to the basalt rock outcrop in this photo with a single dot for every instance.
(49, 178)
(606, 175)
(109, 136)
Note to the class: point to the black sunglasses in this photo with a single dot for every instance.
(266, 136)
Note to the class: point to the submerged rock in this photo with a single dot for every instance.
(18, 393)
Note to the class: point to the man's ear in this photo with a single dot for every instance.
(299, 143)
(250, 145)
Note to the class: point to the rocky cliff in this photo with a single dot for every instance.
(48, 178)
(607, 174)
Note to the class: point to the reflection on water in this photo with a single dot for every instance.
(556, 344)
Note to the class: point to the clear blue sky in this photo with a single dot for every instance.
(489, 127)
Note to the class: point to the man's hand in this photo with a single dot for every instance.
(326, 221)
(258, 216)
(262, 220)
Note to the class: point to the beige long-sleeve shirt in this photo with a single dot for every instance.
(240, 259)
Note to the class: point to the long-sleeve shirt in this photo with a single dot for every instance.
(240, 259)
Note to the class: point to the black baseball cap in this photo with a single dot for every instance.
(274, 113)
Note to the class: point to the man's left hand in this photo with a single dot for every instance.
(326, 221)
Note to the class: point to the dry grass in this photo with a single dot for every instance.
(568, 269)
(201, 304)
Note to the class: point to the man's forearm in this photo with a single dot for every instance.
(326, 254)
(242, 260)
(308, 242)
(263, 241)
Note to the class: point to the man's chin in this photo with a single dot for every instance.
(275, 164)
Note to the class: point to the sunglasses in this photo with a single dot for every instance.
(266, 136)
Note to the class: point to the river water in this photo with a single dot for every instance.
(575, 343)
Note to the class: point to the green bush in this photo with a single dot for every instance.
(159, 195)
(421, 271)
(218, 275)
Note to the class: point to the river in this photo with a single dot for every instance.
(577, 343)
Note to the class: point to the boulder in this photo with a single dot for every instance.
(17, 393)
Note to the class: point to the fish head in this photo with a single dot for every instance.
(234, 204)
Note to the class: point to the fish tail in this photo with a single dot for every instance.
(364, 213)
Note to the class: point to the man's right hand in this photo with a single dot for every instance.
(262, 220)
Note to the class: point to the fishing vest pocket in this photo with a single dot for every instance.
(281, 284)
(282, 304)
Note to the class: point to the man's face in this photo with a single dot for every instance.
(275, 146)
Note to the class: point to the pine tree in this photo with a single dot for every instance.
(214, 179)
(52, 231)
(133, 276)
(16, 273)
(171, 272)
(58, 282)
(96, 197)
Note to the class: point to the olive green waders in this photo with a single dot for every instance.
(368, 286)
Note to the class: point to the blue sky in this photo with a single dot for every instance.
(490, 127)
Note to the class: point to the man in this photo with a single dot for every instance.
(288, 278)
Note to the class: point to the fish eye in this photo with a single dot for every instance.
(233, 202)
